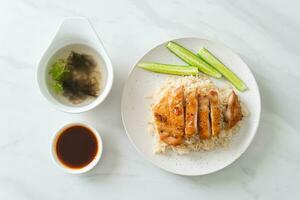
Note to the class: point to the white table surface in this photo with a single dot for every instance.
(265, 34)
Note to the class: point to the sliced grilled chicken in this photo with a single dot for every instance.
(191, 113)
(162, 115)
(169, 117)
(233, 113)
(176, 106)
(177, 115)
(215, 112)
(204, 123)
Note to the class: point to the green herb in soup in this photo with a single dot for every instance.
(58, 71)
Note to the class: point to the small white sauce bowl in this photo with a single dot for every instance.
(72, 32)
(89, 166)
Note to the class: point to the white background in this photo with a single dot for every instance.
(264, 33)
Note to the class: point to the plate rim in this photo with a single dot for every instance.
(176, 172)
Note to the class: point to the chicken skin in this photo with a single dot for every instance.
(204, 122)
(191, 113)
(233, 113)
(215, 113)
(169, 116)
(176, 106)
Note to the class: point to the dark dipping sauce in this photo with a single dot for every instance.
(76, 146)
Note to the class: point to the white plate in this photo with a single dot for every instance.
(136, 112)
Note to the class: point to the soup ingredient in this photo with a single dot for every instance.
(218, 65)
(191, 113)
(57, 72)
(192, 59)
(169, 69)
(233, 112)
(76, 77)
(83, 79)
(76, 147)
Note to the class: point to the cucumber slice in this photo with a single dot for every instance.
(169, 69)
(192, 59)
(225, 71)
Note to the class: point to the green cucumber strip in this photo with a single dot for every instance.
(225, 71)
(192, 59)
(169, 69)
